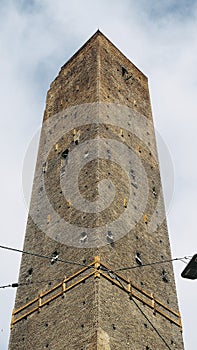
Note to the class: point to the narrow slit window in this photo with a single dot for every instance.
(65, 153)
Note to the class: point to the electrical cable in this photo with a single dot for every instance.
(150, 264)
(43, 256)
(109, 271)
(146, 317)
(113, 275)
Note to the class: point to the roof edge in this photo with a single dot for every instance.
(96, 34)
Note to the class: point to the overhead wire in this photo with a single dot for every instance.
(113, 275)
(146, 317)
(109, 271)
(43, 256)
(153, 263)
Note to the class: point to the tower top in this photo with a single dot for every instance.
(103, 38)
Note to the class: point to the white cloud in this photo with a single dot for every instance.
(36, 38)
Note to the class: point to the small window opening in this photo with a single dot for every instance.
(113, 326)
(65, 153)
(138, 258)
(54, 258)
(44, 167)
(124, 71)
(164, 276)
(154, 191)
(30, 271)
(84, 237)
(110, 237)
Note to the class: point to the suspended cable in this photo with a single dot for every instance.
(146, 317)
(153, 263)
(43, 256)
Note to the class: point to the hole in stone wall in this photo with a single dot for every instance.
(145, 325)
(30, 271)
(113, 326)
(124, 71)
(84, 237)
(164, 276)
(110, 237)
(154, 191)
(44, 167)
(65, 153)
(55, 256)
(138, 258)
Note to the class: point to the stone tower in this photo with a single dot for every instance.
(96, 217)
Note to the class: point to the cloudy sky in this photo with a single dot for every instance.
(36, 38)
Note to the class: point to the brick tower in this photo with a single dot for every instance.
(96, 209)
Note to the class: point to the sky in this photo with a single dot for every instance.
(36, 38)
